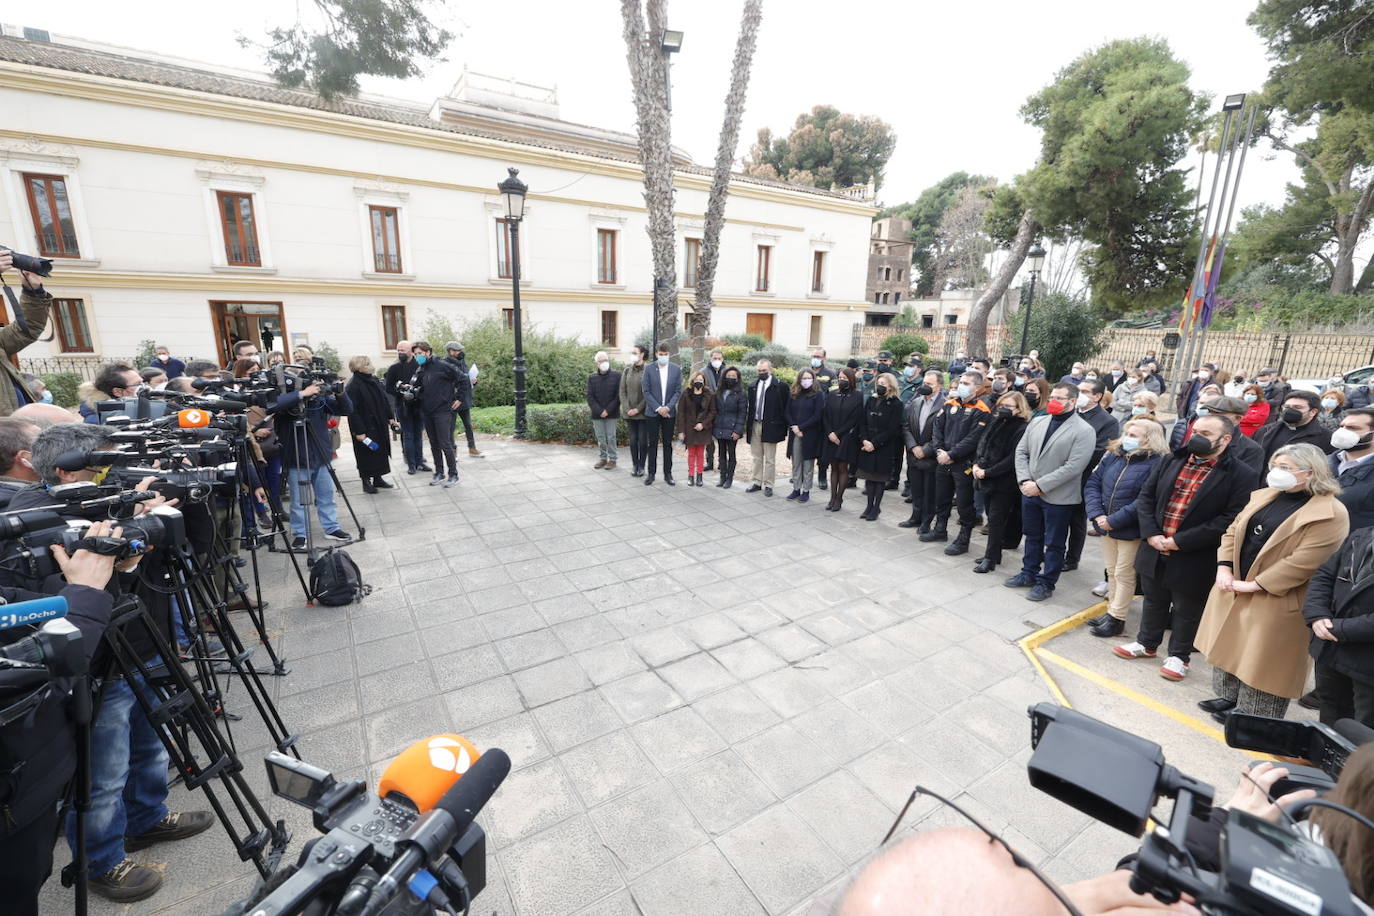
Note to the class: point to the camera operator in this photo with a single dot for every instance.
(407, 407)
(128, 760)
(442, 391)
(38, 752)
(305, 452)
(120, 381)
(34, 304)
(16, 456)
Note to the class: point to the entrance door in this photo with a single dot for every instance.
(759, 323)
(262, 323)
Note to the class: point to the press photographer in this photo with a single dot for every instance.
(33, 306)
(38, 752)
(301, 418)
(128, 760)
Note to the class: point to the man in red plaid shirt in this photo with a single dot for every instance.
(1184, 508)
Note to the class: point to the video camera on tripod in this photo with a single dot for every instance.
(1264, 868)
(30, 664)
(408, 849)
(26, 535)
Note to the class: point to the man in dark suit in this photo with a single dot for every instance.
(662, 388)
(919, 416)
(1105, 429)
(766, 426)
(1297, 423)
(1184, 508)
(1353, 466)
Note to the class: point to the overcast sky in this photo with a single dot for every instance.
(949, 77)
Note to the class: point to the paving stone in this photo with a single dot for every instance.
(786, 759)
(835, 724)
(712, 630)
(640, 696)
(640, 843)
(748, 658)
(391, 731)
(576, 719)
(551, 681)
(722, 791)
(530, 649)
(790, 690)
(511, 621)
(586, 633)
(737, 713)
(517, 735)
(470, 666)
(890, 710)
(848, 817)
(700, 882)
(530, 800)
(779, 880)
(483, 702)
(696, 675)
(663, 646)
(607, 767)
(791, 642)
(610, 663)
(677, 738)
(560, 870)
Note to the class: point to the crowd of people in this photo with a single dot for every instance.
(1242, 521)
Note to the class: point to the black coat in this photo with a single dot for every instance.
(1357, 492)
(774, 411)
(397, 372)
(603, 393)
(1273, 436)
(1215, 505)
(371, 416)
(804, 412)
(317, 450)
(38, 752)
(958, 428)
(841, 414)
(731, 412)
(914, 433)
(996, 453)
(1343, 590)
(460, 366)
(882, 425)
(440, 385)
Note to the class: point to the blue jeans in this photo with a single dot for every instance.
(412, 437)
(128, 778)
(1045, 528)
(323, 485)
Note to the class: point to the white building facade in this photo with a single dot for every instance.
(193, 207)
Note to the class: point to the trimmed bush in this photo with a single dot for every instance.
(556, 368)
(752, 341)
(903, 345)
(63, 386)
(567, 423)
(733, 353)
(777, 354)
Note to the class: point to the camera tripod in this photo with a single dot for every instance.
(306, 446)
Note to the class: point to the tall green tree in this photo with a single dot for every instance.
(1323, 75)
(925, 213)
(1115, 125)
(352, 38)
(826, 147)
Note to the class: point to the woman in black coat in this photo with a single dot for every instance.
(729, 423)
(371, 419)
(804, 432)
(994, 473)
(841, 416)
(880, 441)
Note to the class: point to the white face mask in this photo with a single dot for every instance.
(716, 363)
(1345, 438)
(1137, 410)
(815, 363)
(1084, 402)
(964, 391)
(1251, 398)
(1281, 479)
(604, 365)
(1329, 403)
(663, 360)
(806, 383)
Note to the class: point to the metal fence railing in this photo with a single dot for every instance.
(88, 367)
(1294, 355)
(945, 341)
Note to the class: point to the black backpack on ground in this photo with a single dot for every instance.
(335, 579)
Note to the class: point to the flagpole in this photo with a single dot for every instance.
(1186, 325)
(1226, 232)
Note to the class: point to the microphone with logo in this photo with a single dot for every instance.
(412, 846)
(53, 650)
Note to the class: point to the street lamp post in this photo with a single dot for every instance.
(1036, 256)
(513, 193)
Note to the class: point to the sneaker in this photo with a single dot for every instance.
(1133, 650)
(178, 825)
(453, 479)
(127, 882)
(1173, 669)
(298, 544)
(423, 467)
(1100, 589)
(436, 480)
(1039, 592)
(338, 534)
(1020, 580)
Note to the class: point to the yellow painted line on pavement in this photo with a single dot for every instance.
(1030, 644)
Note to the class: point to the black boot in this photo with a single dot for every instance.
(960, 544)
(369, 486)
(925, 525)
(877, 509)
(914, 521)
(938, 533)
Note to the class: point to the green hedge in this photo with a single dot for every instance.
(567, 423)
(63, 386)
(902, 345)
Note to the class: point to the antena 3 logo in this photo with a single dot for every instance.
(448, 755)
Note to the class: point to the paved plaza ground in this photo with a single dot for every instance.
(715, 702)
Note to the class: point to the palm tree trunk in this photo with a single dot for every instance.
(720, 179)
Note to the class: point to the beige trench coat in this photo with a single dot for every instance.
(1261, 637)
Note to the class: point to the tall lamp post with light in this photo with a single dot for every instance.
(1036, 257)
(513, 194)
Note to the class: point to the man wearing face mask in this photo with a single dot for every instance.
(958, 427)
(1188, 397)
(1242, 447)
(407, 410)
(1184, 508)
(765, 426)
(174, 367)
(1182, 429)
(1105, 428)
(825, 377)
(1297, 423)
(911, 379)
(603, 399)
(632, 405)
(1075, 376)
(662, 386)
(918, 427)
(884, 361)
(866, 379)
(1352, 465)
(1151, 379)
(1276, 390)
(1050, 460)
(120, 382)
(712, 371)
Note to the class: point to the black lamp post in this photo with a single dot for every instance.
(513, 192)
(1036, 256)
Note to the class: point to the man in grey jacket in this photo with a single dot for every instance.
(1050, 461)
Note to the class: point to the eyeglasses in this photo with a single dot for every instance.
(1016, 857)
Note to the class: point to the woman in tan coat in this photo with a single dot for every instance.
(1253, 631)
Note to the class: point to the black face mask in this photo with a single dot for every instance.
(1291, 416)
(697, 386)
(1200, 446)
(730, 382)
(1005, 412)
(882, 391)
(844, 384)
(924, 391)
(763, 376)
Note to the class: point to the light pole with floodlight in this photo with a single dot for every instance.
(513, 193)
(1036, 257)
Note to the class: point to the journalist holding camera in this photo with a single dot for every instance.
(128, 760)
(442, 389)
(34, 303)
(301, 418)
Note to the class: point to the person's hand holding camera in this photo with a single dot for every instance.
(309, 391)
(85, 567)
(1257, 784)
(31, 281)
(149, 505)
